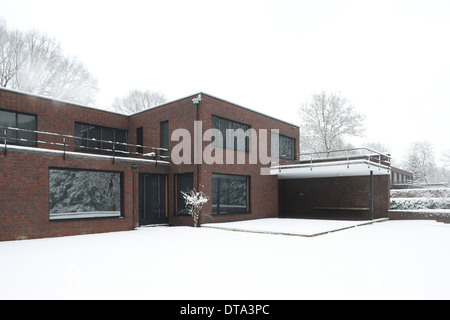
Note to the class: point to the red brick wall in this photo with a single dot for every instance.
(24, 195)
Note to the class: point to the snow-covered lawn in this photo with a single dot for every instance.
(385, 260)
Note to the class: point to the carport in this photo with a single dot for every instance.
(351, 184)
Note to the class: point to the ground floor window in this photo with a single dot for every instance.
(230, 194)
(183, 182)
(80, 194)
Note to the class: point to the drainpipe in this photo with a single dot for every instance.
(134, 169)
(371, 195)
(196, 102)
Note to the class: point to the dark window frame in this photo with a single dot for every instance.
(122, 196)
(240, 125)
(216, 210)
(164, 133)
(293, 142)
(13, 136)
(140, 139)
(97, 147)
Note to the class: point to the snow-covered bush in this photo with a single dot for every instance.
(421, 193)
(195, 200)
(419, 203)
(417, 199)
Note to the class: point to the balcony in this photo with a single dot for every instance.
(337, 163)
(14, 139)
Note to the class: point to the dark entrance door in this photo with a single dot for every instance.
(152, 199)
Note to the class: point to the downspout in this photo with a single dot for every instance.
(371, 195)
(134, 169)
(196, 102)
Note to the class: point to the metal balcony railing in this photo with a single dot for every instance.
(347, 155)
(10, 136)
(344, 156)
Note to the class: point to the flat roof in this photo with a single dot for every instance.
(329, 169)
(217, 98)
(151, 108)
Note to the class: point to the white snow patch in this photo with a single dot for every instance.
(389, 260)
(299, 227)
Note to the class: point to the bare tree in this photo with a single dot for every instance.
(446, 158)
(137, 100)
(325, 121)
(35, 63)
(12, 54)
(420, 160)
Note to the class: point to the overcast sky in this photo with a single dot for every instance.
(391, 59)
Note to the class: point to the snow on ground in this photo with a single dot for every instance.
(298, 227)
(385, 260)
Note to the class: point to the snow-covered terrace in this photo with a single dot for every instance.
(338, 163)
(49, 142)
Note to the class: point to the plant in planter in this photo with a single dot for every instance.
(195, 200)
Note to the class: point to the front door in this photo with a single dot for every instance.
(152, 199)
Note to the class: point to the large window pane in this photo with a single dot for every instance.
(164, 134)
(95, 135)
(26, 122)
(81, 130)
(287, 147)
(230, 194)
(282, 146)
(7, 119)
(121, 136)
(99, 139)
(78, 194)
(228, 129)
(18, 120)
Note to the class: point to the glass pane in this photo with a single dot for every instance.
(287, 148)
(26, 122)
(165, 137)
(185, 183)
(81, 130)
(230, 136)
(7, 119)
(140, 139)
(121, 136)
(94, 133)
(75, 194)
(216, 125)
(107, 135)
(229, 194)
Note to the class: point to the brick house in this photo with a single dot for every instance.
(67, 169)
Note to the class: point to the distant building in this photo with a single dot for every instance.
(401, 178)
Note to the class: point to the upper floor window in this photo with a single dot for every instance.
(164, 134)
(285, 146)
(100, 139)
(229, 134)
(18, 120)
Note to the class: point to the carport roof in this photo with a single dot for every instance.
(329, 169)
(362, 164)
